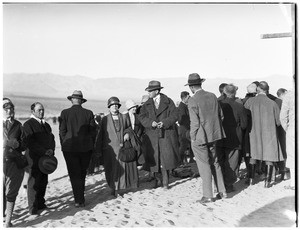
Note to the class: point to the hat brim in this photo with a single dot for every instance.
(149, 89)
(82, 99)
(132, 107)
(196, 83)
(44, 170)
(114, 104)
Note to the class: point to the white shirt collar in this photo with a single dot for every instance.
(38, 119)
(157, 98)
(8, 119)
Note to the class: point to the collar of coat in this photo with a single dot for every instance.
(163, 105)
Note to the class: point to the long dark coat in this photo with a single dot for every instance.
(119, 175)
(77, 129)
(264, 142)
(139, 130)
(234, 123)
(167, 147)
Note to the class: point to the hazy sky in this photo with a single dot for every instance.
(147, 40)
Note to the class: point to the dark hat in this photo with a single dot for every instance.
(153, 85)
(195, 79)
(7, 103)
(113, 101)
(230, 89)
(77, 94)
(47, 164)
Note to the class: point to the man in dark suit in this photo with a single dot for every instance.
(77, 132)
(206, 128)
(184, 125)
(229, 149)
(40, 142)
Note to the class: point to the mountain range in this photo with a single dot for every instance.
(58, 86)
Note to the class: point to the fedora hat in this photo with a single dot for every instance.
(77, 94)
(130, 104)
(195, 79)
(153, 85)
(47, 164)
(113, 101)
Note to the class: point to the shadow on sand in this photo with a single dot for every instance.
(267, 216)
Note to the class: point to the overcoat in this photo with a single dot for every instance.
(206, 118)
(38, 139)
(77, 129)
(234, 123)
(165, 150)
(12, 175)
(119, 175)
(139, 130)
(264, 142)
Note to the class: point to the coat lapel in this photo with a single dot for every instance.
(111, 124)
(163, 105)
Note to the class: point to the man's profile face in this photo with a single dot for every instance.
(192, 88)
(152, 94)
(8, 112)
(185, 100)
(38, 111)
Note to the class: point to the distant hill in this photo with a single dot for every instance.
(58, 86)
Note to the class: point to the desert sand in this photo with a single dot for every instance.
(253, 206)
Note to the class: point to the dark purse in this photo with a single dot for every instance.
(127, 153)
(20, 160)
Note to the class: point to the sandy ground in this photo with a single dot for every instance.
(252, 206)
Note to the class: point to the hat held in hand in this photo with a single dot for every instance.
(47, 164)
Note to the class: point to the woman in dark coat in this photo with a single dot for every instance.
(111, 137)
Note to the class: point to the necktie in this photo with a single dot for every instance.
(7, 124)
(156, 103)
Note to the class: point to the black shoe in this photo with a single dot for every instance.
(205, 200)
(221, 195)
(42, 207)
(33, 211)
(79, 205)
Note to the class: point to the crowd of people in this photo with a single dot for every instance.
(155, 136)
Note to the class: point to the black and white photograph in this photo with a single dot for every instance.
(149, 114)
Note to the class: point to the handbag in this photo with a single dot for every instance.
(20, 160)
(127, 153)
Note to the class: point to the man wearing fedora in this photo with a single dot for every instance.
(206, 128)
(77, 132)
(159, 115)
(229, 149)
(40, 142)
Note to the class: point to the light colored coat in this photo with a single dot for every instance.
(264, 142)
(206, 118)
